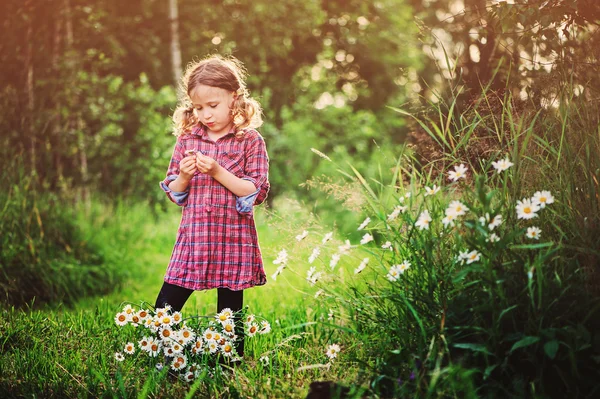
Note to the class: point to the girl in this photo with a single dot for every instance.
(218, 172)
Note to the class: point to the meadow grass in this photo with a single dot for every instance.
(68, 351)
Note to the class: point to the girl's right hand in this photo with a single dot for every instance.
(187, 167)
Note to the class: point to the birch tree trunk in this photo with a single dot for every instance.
(175, 47)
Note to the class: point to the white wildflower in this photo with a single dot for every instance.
(335, 258)
(332, 351)
(327, 237)
(387, 245)
(526, 209)
(282, 257)
(315, 253)
(542, 198)
(459, 172)
(534, 232)
(362, 266)
(302, 236)
(502, 165)
(424, 220)
(366, 239)
(431, 190)
(364, 223)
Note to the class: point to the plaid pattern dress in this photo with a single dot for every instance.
(217, 244)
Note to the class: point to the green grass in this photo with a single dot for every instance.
(60, 351)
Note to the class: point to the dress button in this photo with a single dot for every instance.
(208, 209)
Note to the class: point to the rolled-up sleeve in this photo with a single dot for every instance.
(179, 198)
(256, 171)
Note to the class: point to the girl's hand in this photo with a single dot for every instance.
(187, 167)
(207, 165)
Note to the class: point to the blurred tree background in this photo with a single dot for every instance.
(87, 87)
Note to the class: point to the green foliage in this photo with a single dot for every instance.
(44, 257)
(507, 317)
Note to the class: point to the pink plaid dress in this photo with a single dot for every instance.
(217, 244)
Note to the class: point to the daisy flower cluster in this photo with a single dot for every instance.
(164, 335)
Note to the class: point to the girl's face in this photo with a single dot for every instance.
(213, 108)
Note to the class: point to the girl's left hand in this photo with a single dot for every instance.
(206, 165)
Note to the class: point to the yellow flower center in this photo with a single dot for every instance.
(527, 210)
(122, 317)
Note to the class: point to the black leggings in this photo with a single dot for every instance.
(176, 296)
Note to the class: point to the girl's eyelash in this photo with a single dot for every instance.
(212, 106)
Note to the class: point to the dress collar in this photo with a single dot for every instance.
(201, 131)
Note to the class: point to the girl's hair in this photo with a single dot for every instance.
(225, 73)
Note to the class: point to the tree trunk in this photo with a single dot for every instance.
(28, 129)
(55, 127)
(175, 47)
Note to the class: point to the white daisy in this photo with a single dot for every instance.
(318, 293)
(265, 327)
(493, 238)
(335, 258)
(179, 362)
(364, 224)
(502, 165)
(227, 349)
(264, 360)
(424, 220)
(431, 190)
(496, 221)
(119, 357)
(332, 351)
(129, 348)
(177, 318)
(327, 237)
(534, 232)
(121, 319)
(128, 310)
(342, 249)
(463, 256)
(229, 328)
(154, 347)
(143, 344)
(459, 172)
(302, 236)
(393, 273)
(397, 211)
(456, 208)
(197, 347)
(387, 245)
(542, 198)
(224, 315)
(252, 329)
(315, 253)
(402, 267)
(277, 272)
(448, 220)
(330, 315)
(473, 256)
(189, 376)
(526, 209)
(366, 239)
(208, 335)
(362, 266)
(282, 257)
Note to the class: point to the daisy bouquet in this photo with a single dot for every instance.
(184, 345)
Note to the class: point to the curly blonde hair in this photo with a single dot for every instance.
(225, 73)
